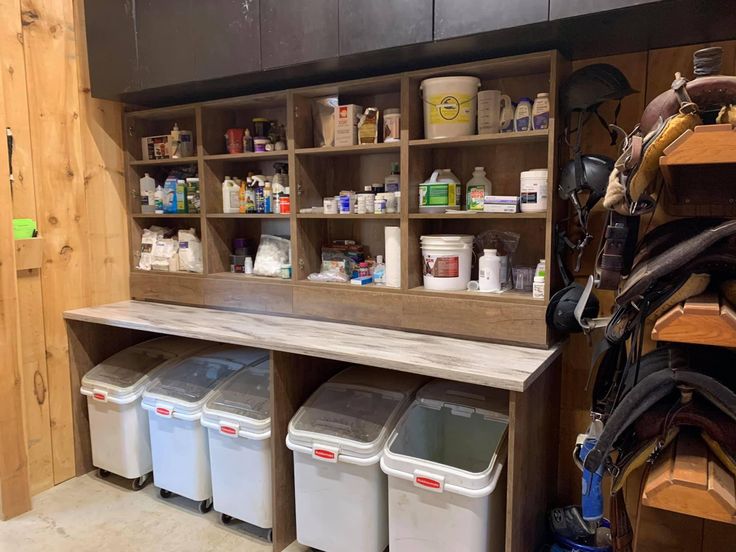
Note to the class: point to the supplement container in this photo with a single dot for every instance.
(450, 106)
(391, 125)
(447, 261)
(174, 401)
(118, 426)
(533, 191)
(338, 438)
(238, 422)
(445, 464)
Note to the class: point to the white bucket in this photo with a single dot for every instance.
(446, 261)
(533, 191)
(450, 106)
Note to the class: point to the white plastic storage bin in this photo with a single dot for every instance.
(174, 401)
(118, 427)
(238, 419)
(338, 437)
(445, 461)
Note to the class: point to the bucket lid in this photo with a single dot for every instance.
(186, 384)
(446, 239)
(475, 81)
(124, 375)
(425, 444)
(535, 173)
(243, 399)
(354, 412)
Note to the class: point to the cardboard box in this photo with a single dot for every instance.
(346, 124)
(499, 208)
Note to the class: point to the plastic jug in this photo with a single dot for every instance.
(230, 196)
(476, 190)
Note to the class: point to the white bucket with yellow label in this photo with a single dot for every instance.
(450, 106)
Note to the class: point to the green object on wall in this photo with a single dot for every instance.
(24, 228)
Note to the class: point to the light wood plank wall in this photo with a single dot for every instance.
(68, 168)
(650, 73)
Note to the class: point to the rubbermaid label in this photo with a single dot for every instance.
(326, 454)
(230, 431)
(99, 396)
(427, 482)
(162, 411)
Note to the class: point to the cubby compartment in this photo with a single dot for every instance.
(316, 233)
(518, 77)
(381, 92)
(160, 172)
(320, 176)
(172, 222)
(531, 248)
(157, 122)
(215, 171)
(221, 115)
(503, 163)
(222, 232)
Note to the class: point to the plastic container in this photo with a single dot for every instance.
(450, 106)
(523, 115)
(476, 190)
(489, 271)
(337, 438)
(392, 125)
(238, 420)
(540, 112)
(118, 427)
(533, 188)
(440, 192)
(174, 401)
(445, 464)
(230, 196)
(446, 261)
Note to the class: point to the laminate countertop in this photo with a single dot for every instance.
(494, 365)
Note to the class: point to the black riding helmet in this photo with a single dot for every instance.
(594, 177)
(590, 86)
(561, 309)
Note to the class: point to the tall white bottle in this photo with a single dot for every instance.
(148, 189)
(230, 196)
(489, 271)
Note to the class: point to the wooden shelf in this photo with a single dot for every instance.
(248, 156)
(367, 216)
(28, 253)
(351, 150)
(689, 480)
(250, 278)
(159, 162)
(166, 273)
(348, 285)
(440, 216)
(511, 296)
(704, 320)
(247, 216)
(165, 215)
(481, 140)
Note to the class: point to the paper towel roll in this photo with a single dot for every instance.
(393, 256)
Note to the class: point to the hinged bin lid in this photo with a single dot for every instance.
(184, 386)
(353, 413)
(242, 404)
(123, 376)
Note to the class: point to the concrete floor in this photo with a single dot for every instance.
(87, 514)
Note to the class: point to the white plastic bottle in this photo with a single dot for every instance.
(523, 115)
(539, 276)
(476, 190)
(148, 189)
(540, 112)
(230, 196)
(158, 200)
(541, 269)
(379, 271)
(489, 271)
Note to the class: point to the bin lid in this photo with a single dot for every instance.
(124, 375)
(453, 435)
(354, 411)
(243, 400)
(185, 385)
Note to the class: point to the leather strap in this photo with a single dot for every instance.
(617, 247)
(622, 534)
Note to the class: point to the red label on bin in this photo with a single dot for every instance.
(227, 430)
(326, 454)
(99, 396)
(163, 411)
(427, 482)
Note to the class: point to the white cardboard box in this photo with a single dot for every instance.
(346, 124)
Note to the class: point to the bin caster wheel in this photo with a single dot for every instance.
(139, 482)
(103, 474)
(165, 494)
(269, 536)
(205, 506)
(226, 519)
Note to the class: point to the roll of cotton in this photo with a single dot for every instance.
(273, 252)
(190, 251)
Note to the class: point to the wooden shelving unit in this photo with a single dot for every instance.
(317, 172)
(705, 319)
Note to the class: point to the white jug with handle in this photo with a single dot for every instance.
(495, 110)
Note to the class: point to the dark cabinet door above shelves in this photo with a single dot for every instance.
(378, 24)
(188, 40)
(453, 18)
(559, 9)
(298, 31)
(113, 64)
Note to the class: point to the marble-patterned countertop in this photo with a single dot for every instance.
(494, 365)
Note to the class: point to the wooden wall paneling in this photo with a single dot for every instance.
(104, 182)
(34, 374)
(167, 288)
(15, 494)
(336, 303)
(90, 344)
(258, 295)
(53, 99)
(293, 379)
(532, 461)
